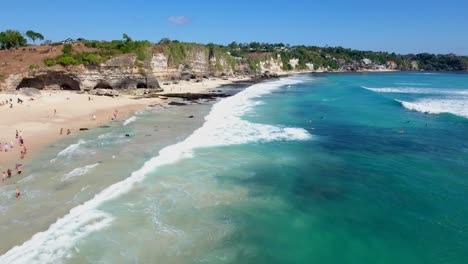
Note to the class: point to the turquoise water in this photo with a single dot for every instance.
(345, 168)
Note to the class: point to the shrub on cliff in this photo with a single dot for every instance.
(118, 47)
(67, 60)
(67, 49)
(49, 62)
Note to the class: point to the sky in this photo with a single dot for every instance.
(394, 26)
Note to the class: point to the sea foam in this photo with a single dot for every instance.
(70, 150)
(408, 90)
(223, 126)
(457, 107)
(78, 171)
(129, 120)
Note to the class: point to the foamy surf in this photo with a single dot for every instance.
(412, 84)
(68, 151)
(457, 107)
(408, 90)
(78, 171)
(130, 120)
(223, 126)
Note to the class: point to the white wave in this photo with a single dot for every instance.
(457, 107)
(223, 126)
(79, 171)
(412, 84)
(130, 120)
(69, 150)
(409, 90)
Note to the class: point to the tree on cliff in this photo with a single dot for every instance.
(11, 39)
(34, 35)
(127, 38)
(164, 41)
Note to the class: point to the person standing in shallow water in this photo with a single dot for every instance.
(18, 193)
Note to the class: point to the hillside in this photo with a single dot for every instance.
(129, 64)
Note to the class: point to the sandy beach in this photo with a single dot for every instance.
(39, 119)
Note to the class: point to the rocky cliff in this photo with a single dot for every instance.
(127, 72)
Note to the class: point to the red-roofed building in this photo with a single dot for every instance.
(391, 65)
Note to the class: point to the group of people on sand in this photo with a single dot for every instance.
(9, 102)
(68, 131)
(7, 174)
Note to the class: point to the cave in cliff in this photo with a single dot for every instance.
(141, 85)
(103, 85)
(50, 80)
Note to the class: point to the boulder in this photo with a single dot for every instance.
(31, 92)
(104, 92)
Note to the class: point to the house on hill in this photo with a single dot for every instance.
(391, 65)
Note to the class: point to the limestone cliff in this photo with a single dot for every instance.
(127, 72)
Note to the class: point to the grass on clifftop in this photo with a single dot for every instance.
(106, 50)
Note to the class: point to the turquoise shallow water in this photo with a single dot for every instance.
(345, 168)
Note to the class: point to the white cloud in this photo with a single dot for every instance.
(179, 20)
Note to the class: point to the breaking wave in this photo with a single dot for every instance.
(70, 150)
(457, 107)
(408, 90)
(79, 171)
(130, 120)
(223, 126)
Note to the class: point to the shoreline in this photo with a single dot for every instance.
(40, 127)
(104, 157)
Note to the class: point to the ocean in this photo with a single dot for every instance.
(318, 168)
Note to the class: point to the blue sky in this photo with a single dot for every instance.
(395, 26)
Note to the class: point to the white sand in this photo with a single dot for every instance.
(40, 126)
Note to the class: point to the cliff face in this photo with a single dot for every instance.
(126, 72)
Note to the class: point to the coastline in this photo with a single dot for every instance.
(39, 126)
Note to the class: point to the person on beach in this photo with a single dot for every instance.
(61, 131)
(22, 154)
(8, 173)
(21, 141)
(4, 176)
(18, 193)
(18, 168)
(5, 147)
(16, 134)
(93, 117)
(25, 150)
(68, 132)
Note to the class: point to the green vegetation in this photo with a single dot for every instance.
(176, 52)
(33, 66)
(70, 58)
(118, 47)
(34, 35)
(223, 57)
(11, 39)
(431, 62)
